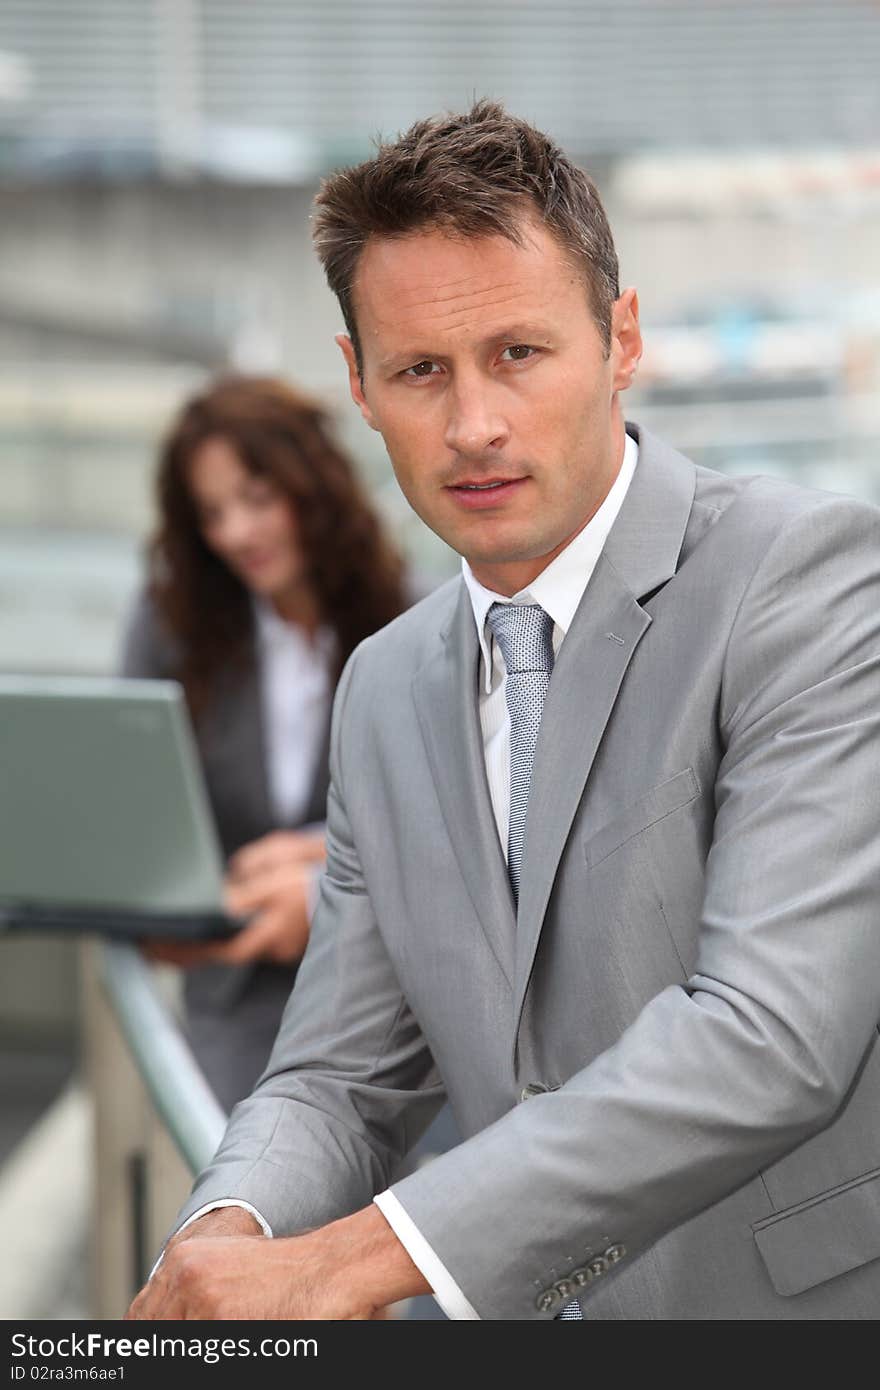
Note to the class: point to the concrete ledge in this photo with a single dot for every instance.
(44, 1210)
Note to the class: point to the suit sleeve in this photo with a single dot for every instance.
(351, 1084)
(725, 1074)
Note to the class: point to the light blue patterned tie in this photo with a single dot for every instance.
(524, 632)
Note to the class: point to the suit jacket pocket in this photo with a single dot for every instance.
(661, 801)
(826, 1236)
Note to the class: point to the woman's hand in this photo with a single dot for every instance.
(270, 882)
(277, 848)
(276, 900)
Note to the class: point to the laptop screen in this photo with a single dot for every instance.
(102, 800)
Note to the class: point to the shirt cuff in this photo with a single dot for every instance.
(444, 1287)
(213, 1206)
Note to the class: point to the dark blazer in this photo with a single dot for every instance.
(232, 1012)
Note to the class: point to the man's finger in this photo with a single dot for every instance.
(153, 1301)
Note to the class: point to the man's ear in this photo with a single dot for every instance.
(355, 384)
(626, 339)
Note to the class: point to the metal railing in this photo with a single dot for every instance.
(156, 1120)
(176, 1086)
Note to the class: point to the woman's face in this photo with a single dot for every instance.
(246, 520)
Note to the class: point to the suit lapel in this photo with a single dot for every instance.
(252, 750)
(253, 720)
(640, 555)
(589, 672)
(445, 694)
(316, 810)
(230, 734)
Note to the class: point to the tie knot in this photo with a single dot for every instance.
(524, 632)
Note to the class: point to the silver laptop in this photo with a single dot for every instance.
(105, 823)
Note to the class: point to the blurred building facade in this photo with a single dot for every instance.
(158, 158)
(287, 88)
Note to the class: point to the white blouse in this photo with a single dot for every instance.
(296, 684)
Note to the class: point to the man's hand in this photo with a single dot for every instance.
(345, 1271)
(220, 1221)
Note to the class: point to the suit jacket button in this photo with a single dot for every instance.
(547, 1300)
(564, 1287)
(534, 1088)
(581, 1276)
(598, 1266)
(615, 1253)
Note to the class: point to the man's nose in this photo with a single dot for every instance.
(474, 424)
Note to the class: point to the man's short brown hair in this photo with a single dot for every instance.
(473, 174)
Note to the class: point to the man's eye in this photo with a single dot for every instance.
(519, 352)
(424, 368)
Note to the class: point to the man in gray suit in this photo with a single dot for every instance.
(603, 859)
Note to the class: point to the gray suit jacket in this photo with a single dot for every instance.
(667, 1069)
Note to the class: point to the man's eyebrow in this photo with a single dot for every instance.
(526, 333)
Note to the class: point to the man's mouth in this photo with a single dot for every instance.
(482, 485)
(487, 492)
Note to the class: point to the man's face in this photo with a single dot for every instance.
(486, 375)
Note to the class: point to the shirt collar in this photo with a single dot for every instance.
(269, 624)
(274, 632)
(560, 587)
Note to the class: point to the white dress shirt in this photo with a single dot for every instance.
(558, 589)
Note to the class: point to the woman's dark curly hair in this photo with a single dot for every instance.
(278, 433)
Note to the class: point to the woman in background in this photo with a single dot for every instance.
(267, 569)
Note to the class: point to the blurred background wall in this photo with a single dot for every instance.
(157, 162)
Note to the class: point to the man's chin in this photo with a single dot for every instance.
(511, 553)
